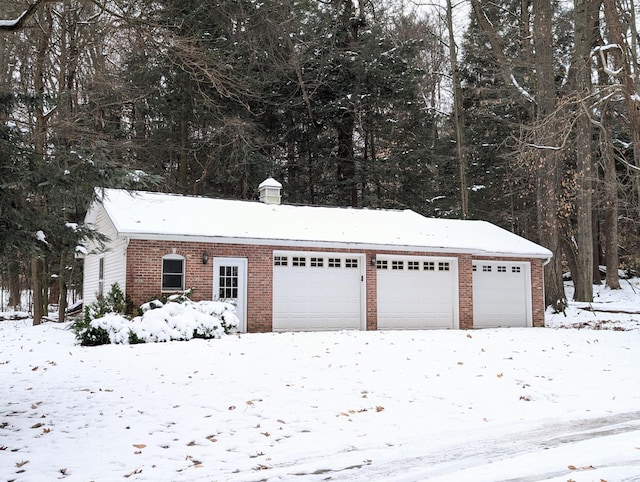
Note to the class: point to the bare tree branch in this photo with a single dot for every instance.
(18, 23)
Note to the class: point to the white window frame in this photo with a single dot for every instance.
(173, 257)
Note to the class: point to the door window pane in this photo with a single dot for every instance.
(228, 282)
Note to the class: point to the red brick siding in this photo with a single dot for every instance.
(144, 273)
(465, 291)
(372, 291)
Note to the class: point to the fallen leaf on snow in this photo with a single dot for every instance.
(136, 471)
(139, 446)
(20, 464)
(379, 408)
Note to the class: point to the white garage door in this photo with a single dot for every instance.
(501, 294)
(318, 291)
(417, 292)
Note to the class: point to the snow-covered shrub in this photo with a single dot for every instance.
(89, 334)
(179, 319)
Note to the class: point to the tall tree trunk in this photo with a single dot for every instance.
(62, 297)
(183, 166)
(350, 24)
(610, 230)
(547, 187)
(13, 273)
(458, 116)
(348, 190)
(36, 288)
(584, 35)
(39, 143)
(625, 66)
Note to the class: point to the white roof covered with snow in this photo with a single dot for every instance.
(149, 215)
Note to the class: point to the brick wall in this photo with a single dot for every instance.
(144, 272)
(465, 291)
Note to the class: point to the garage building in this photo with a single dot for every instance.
(292, 267)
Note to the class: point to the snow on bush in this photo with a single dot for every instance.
(171, 321)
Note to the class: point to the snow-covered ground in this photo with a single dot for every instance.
(488, 405)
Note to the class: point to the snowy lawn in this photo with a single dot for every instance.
(488, 405)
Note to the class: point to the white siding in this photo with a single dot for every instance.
(114, 260)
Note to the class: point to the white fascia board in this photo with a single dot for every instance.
(292, 243)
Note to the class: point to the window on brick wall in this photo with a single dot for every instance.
(173, 272)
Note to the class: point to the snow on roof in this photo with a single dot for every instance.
(269, 182)
(169, 216)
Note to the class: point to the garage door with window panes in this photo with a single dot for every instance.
(417, 292)
(317, 291)
(501, 294)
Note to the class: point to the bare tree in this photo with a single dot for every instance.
(20, 22)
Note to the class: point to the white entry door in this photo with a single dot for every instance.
(230, 284)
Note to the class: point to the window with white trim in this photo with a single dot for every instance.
(502, 269)
(429, 266)
(515, 269)
(173, 272)
(335, 263)
(298, 261)
(280, 261)
(413, 265)
(397, 264)
(351, 263)
(444, 266)
(382, 264)
(486, 268)
(475, 268)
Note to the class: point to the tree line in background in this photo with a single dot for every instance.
(530, 121)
